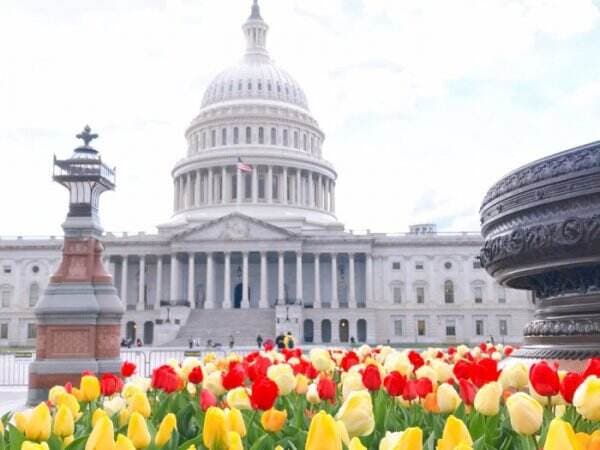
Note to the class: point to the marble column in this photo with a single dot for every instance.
(189, 191)
(299, 281)
(174, 288)
(311, 190)
(264, 300)
(269, 190)
(284, 186)
(334, 284)
(239, 196)
(141, 285)
(224, 193)
(159, 274)
(210, 291)
(369, 281)
(320, 191)
(255, 184)
(333, 196)
(245, 280)
(298, 187)
(124, 280)
(197, 196)
(191, 280)
(317, 300)
(351, 281)
(227, 282)
(175, 194)
(210, 186)
(280, 279)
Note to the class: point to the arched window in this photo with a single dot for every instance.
(449, 292)
(213, 138)
(224, 136)
(296, 143)
(344, 330)
(273, 136)
(34, 294)
(285, 138)
(326, 330)
(236, 135)
(249, 85)
(361, 330)
(261, 135)
(308, 330)
(248, 135)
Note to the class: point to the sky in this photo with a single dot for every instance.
(424, 103)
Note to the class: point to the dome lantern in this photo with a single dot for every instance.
(255, 31)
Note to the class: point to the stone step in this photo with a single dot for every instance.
(218, 325)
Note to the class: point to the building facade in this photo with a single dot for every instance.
(254, 245)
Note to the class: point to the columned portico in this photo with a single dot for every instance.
(280, 278)
(334, 283)
(352, 282)
(245, 286)
(299, 280)
(210, 291)
(317, 282)
(191, 280)
(264, 301)
(227, 280)
(142, 285)
(159, 274)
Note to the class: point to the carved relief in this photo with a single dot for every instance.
(235, 229)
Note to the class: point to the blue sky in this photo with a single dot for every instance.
(425, 103)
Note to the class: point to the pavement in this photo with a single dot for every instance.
(12, 399)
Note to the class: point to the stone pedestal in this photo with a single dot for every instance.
(288, 318)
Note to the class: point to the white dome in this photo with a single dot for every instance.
(255, 79)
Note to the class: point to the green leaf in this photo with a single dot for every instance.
(55, 443)
(15, 438)
(197, 441)
(263, 443)
(78, 444)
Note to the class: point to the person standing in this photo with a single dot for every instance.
(231, 341)
(259, 341)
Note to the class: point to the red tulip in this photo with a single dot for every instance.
(462, 369)
(394, 383)
(415, 359)
(592, 368)
(196, 376)
(258, 368)
(508, 350)
(165, 378)
(69, 387)
(544, 379)
(424, 387)
(127, 369)
(569, 385)
(110, 384)
(207, 399)
(371, 377)
(264, 393)
(350, 359)
(326, 388)
(234, 377)
(467, 391)
(484, 372)
(451, 350)
(409, 393)
(311, 372)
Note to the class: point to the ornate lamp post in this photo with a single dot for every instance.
(79, 315)
(542, 232)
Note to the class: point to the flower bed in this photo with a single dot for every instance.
(371, 398)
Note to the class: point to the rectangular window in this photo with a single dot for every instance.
(236, 135)
(477, 263)
(275, 187)
(395, 265)
(479, 327)
(419, 266)
(261, 135)
(285, 138)
(501, 295)
(503, 326)
(450, 328)
(213, 138)
(296, 143)
(248, 185)
(248, 135)
(398, 327)
(224, 136)
(3, 331)
(5, 299)
(273, 136)
(421, 295)
(397, 292)
(421, 327)
(7, 269)
(31, 331)
(234, 187)
(203, 140)
(261, 187)
(478, 294)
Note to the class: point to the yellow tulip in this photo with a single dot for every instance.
(69, 401)
(283, 376)
(343, 432)
(124, 415)
(302, 382)
(592, 441)
(54, 392)
(21, 419)
(90, 388)
(355, 444)
(214, 432)
(410, 439)
(137, 431)
(165, 430)
(235, 441)
(238, 398)
(214, 383)
(514, 376)
(561, 437)
(139, 403)
(39, 423)
(525, 412)
(27, 445)
(447, 398)
(487, 399)
(63, 422)
(587, 398)
(321, 359)
(273, 420)
(77, 394)
(357, 414)
(102, 437)
(323, 433)
(455, 433)
(1, 428)
(124, 443)
(67, 440)
(235, 421)
(97, 415)
(351, 382)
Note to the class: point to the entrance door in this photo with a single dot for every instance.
(344, 330)
(130, 331)
(148, 333)
(237, 296)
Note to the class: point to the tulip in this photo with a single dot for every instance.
(410, 439)
(110, 384)
(102, 437)
(326, 388)
(124, 415)
(196, 376)
(64, 424)
(398, 362)
(90, 388)
(124, 443)
(21, 419)
(139, 403)
(355, 444)
(69, 401)
(357, 414)
(544, 379)
(39, 423)
(207, 399)
(283, 376)
(264, 394)
(97, 415)
(323, 433)
(312, 394)
(127, 369)
(1, 429)
(587, 398)
(114, 405)
(487, 399)
(561, 436)
(321, 359)
(214, 432)
(235, 421)
(165, 430)
(55, 392)
(394, 383)
(351, 382)
(302, 382)
(525, 412)
(371, 377)
(137, 431)
(273, 420)
(235, 441)
(455, 433)
(569, 385)
(27, 445)
(214, 383)
(447, 398)
(238, 398)
(514, 376)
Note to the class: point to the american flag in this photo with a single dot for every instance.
(243, 167)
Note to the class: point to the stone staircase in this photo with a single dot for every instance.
(218, 325)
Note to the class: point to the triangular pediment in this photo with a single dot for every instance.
(233, 227)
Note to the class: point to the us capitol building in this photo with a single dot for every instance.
(254, 245)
